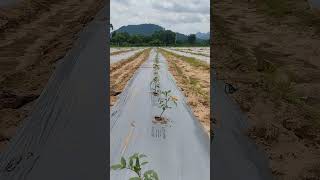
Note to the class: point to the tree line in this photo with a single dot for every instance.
(158, 38)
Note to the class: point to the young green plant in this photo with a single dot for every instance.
(166, 100)
(156, 66)
(155, 85)
(134, 164)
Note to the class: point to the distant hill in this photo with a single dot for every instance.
(149, 29)
(141, 29)
(181, 37)
(204, 36)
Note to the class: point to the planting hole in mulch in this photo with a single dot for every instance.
(160, 120)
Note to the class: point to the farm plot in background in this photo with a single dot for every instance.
(203, 51)
(124, 54)
(188, 53)
(122, 71)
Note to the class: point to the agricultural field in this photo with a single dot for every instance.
(203, 51)
(123, 53)
(191, 74)
(202, 54)
(158, 96)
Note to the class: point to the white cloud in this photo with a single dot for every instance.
(185, 16)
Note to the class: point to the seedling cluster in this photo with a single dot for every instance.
(134, 164)
(165, 99)
(155, 83)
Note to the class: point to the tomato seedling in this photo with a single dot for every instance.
(135, 165)
(155, 85)
(156, 66)
(166, 100)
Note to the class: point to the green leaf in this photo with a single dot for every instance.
(131, 162)
(116, 166)
(142, 156)
(144, 163)
(123, 162)
(135, 178)
(137, 162)
(150, 175)
(135, 155)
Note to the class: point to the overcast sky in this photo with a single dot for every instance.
(184, 16)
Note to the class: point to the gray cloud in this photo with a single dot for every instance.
(181, 19)
(185, 16)
(181, 7)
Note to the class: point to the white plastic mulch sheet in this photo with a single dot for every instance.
(182, 53)
(178, 150)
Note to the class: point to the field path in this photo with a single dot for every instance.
(179, 150)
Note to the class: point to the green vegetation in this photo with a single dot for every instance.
(166, 100)
(156, 79)
(134, 165)
(156, 84)
(158, 38)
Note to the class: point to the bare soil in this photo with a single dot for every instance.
(122, 71)
(194, 82)
(34, 35)
(160, 120)
(270, 51)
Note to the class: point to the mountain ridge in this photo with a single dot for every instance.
(149, 29)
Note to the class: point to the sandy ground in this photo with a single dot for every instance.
(270, 52)
(194, 82)
(34, 35)
(122, 71)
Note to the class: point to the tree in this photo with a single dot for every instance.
(119, 38)
(155, 42)
(192, 38)
(169, 37)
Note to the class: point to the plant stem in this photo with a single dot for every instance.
(162, 113)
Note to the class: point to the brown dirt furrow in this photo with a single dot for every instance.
(34, 35)
(194, 82)
(121, 72)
